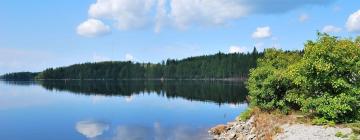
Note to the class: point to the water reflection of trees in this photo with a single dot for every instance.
(210, 91)
(19, 83)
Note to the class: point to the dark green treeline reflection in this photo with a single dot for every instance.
(219, 92)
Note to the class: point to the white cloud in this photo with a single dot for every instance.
(92, 28)
(134, 14)
(208, 12)
(237, 49)
(353, 22)
(304, 17)
(91, 129)
(262, 32)
(331, 29)
(129, 57)
(127, 14)
(161, 15)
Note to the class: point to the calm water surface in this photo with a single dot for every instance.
(117, 110)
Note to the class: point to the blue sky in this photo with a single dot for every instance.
(38, 34)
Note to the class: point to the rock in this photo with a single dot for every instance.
(239, 130)
(217, 130)
(253, 130)
(251, 137)
(231, 123)
(240, 136)
(301, 131)
(232, 135)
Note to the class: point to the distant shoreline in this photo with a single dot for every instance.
(153, 79)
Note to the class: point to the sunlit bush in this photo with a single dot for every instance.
(323, 82)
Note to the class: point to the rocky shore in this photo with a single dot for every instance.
(237, 130)
(247, 130)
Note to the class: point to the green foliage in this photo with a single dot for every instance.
(355, 127)
(220, 65)
(267, 83)
(331, 123)
(245, 115)
(323, 82)
(339, 134)
(19, 76)
(322, 121)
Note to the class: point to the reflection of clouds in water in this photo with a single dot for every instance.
(131, 133)
(97, 99)
(91, 129)
(13, 97)
(158, 132)
(128, 99)
(238, 105)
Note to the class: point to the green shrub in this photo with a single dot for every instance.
(339, 134)
(245, 115)
(331, 123)
(321, 121)
(324, 81)
(267, 83)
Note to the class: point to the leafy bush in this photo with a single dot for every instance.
(339, 134)
(267, 83)
(323, 82)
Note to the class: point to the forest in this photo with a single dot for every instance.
(219, 65)
(19, 76)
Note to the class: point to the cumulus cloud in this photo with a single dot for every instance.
(133, 14)
(127, 14)
(211, 12)
(162, 16)
(304, 17)
(91, 129)
(92, 28)
(353, 22)
(237, 49)
(262, 32)
(129, 57)
(331, 29)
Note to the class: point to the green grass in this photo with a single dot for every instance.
(355, 127)
(245, 115)
(323, 121)
(339, 134)
(354, 137)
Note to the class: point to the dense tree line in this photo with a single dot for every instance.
(324, 81)
(19, 76)
(220, 65)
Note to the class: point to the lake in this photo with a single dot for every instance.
(117, 110)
